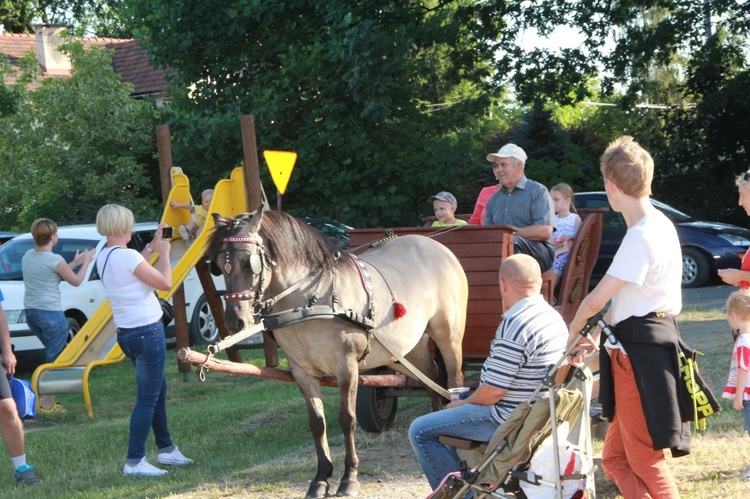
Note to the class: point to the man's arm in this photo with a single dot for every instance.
(536, 232)
(483, 395)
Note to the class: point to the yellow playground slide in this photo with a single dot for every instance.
(96, 342)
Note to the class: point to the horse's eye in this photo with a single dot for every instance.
(213, 267)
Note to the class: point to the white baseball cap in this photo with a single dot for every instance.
(508, 151)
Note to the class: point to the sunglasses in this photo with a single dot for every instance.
(745, 176)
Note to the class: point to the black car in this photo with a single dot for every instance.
(706, 246)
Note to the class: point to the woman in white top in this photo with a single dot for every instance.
(42, 272)
(130, 280)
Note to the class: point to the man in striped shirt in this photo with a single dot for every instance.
(531, 336)
(522, 203)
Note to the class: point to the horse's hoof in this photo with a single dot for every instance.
(317, 490)
(349, 489)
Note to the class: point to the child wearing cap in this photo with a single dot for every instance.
(444, 204)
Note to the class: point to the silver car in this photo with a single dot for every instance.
(79, 303)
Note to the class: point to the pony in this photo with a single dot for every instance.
(322, 306)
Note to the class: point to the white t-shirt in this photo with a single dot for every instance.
(133, 302)
(650, 261)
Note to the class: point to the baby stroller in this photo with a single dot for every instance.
(502, 465)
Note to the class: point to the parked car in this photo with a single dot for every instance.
(330, 228)
(6, 236)
(79, 303)
(706, 246)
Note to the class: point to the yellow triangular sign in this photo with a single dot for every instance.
(280, 164)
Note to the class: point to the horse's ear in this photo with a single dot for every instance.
(255, 219)
(220, 221)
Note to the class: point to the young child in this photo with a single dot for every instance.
(567, 222)
(737, 389)
(445, 204)
(199, 211)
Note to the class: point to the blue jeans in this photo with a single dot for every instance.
(51, 327)
(470, 421)
(147, 350)
(746, 414)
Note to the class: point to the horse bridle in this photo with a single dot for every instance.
(259, 263)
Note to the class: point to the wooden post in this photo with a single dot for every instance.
(217, 308)
(251, 167)
(164, 149)
(254, 198)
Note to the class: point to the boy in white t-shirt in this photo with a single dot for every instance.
(638, 374)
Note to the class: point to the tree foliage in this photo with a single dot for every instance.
(75, 144)
(378, 98)
(84, 17)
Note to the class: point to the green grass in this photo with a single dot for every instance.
(227, 425)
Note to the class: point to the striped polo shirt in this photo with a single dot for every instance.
(531, 336)
(529, 203)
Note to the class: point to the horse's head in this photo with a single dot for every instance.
(239, 252)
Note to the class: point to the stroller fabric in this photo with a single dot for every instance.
(524, 430)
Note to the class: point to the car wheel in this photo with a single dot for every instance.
(695, 270)
(73, 328)
(203, 328)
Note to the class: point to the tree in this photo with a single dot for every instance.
(75, 144)
(381, 99)
(85, 17)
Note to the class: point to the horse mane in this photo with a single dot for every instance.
(287, 240)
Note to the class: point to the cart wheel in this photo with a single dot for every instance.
(375, 411)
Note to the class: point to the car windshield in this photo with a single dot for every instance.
(12, 252)
(671, 213)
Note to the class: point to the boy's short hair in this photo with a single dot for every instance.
(629, 166)
(207, 192)
(739, 303)
(114, 220)
(42, 230)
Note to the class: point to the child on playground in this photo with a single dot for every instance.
(567, 223)
(444, 203)
(737, 388)
(199, 211)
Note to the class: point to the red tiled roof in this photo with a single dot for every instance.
(129, 60)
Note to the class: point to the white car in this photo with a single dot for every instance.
(79, 303)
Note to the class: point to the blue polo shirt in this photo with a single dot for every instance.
(528, 204)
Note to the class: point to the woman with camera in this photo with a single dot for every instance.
(130, 280)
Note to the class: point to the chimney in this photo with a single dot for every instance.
(48, 39)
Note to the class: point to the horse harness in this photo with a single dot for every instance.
(260, 263)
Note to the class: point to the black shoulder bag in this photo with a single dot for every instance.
(167, 310)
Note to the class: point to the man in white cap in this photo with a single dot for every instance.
(522, 203)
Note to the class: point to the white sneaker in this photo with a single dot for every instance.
(143, 468)
(745, 475)
(184, 232)
(175, 457)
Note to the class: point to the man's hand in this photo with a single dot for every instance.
(455, 403)
(585, 347)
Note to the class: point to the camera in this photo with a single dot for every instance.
(167, 232)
